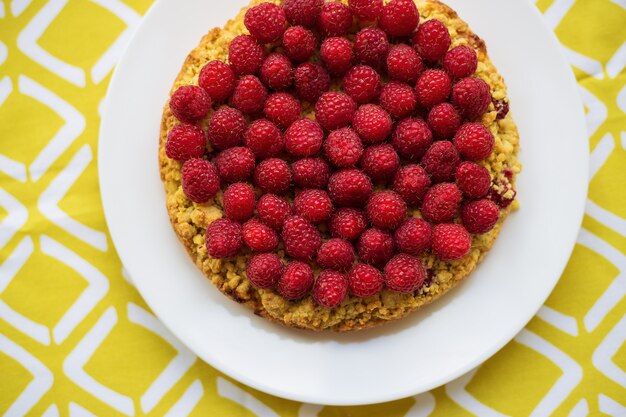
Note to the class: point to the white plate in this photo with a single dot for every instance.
(413, 355)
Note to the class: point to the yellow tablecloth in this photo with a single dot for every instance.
(77, 339)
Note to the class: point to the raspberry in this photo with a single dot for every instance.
(337, 254)
(301, 238)
(411, 182)
(502, 108)
(451, 241)
(398, 99)
(313, 205)
(304, 138)
(190, 103)
(266, 22)
(273, 176)
(264, 139)
(238, 201)
(296, 281)
(335, 19)
(185, 141)
(311, 81)
(347, 223)
(330, 289)
(277, 72)
(365, 281)
(412, 138)
(302, 12)
(226, 127)
(399, 18)
(503, 198)
(349, 187)
(283, 109)
(474, 141)
(362, 83)
(380, 162)
(441, 160)
(310, 173)
(479, 216)
(337, 55)
(413, 236)
(444, 120)
(264, 270)
(404, 274)
(371, 46)
(460, 61)
(223, 238)
(433, 87)
(367, 10)
(372, 123)
(250, 94)
(441, 203)
(375, 247)
(217, 79)
(235, 164)
(432, 40)
(343, 148)
(386, 209)
(273, 210)
(472, 179)
(404, 63)
(259, 237)
(472, 96)
(245, 55)
(334, 110)
(200, 180)
(299, 43)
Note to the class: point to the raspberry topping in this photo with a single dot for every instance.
(404, 63)
(304, 138)
(301, 238)
(311, 81)
(299, 43)
(190, 103)
(266, 22)
(310, 173)
(386, 209)
(451, 241)
(226, 127)
(432, 40)
(337, 55)
(380, 162)
(337, 254)
(348, 223)
(273, 210)
(283, 109)
(365, 281)
(371, 46)
(375, 247)
(349, 187)
(502, 107)
(372, 123)
(330, 289)
(250, 94)
(277, 72)
(367, 10)
(362, 83)
(264, 270)
(433, 87)
(413, 236)
(223, 238)
(441, 160)
(343, 148)
(404, 273)
(259, 237)
(273, 176)
(472, 96)
(334, 110)
(460, 61)
(335, 19)
(296, 281)
(235, 164)
(303, 12)
(398, 99)
(474, 141)
(399, 18)
(239, 201)
(200, 180)
(314, 205)
(472, 179)
(479, 216)
(245, 55)
(185, 141)
(441, 203)
(264, 139)
(444, 120)
(217, 79)
(411, 182)
(412, 138)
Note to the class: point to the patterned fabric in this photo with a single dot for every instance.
(76, 338)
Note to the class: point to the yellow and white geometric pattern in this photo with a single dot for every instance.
(76, 339)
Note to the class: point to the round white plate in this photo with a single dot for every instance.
(425, 350)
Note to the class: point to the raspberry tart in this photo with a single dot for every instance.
(338, 164)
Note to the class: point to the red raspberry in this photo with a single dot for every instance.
(472, 96)
(302, 12)
(451, 241)
(386, 209)
(372, 123)
(460, 61)
(433, 87)
(185, 141)
(264, 270)
(502, 108)
(349, 187)
(277, 72)
(245, 55)
(474, 141)
(343, 148)
(441, 160)
(398, 99)
(239, 201)
(444, 120)
(330, 289)
(282, 109)
(399, 18)
(365, 281)
(299, 43)
(348, 223)
(479, 216)
(337, 55)
(266, 22)
(264, 139)
(223, 238)
(334, 110)
(432, 40)
(200, 180)
(226, 127)
(375, 247)
(412, 138)
(250, 94)
(273, 176)
(380, 162)
(367, 10)
(411, 182)
(235, 164)
(337, 254)
(413, 236)
(404, 274)
(472, 179)
(314, 205)
(441, 203)
(310, 173)
(311, 81)
(362, 83)
(304, 138)
(335, 19)
(217, 79)
(273, 210)
(301, 238)
(503, 195)
(404, 63)
(371, 46)
(190, 103)
(296, 281)
(259, 237)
